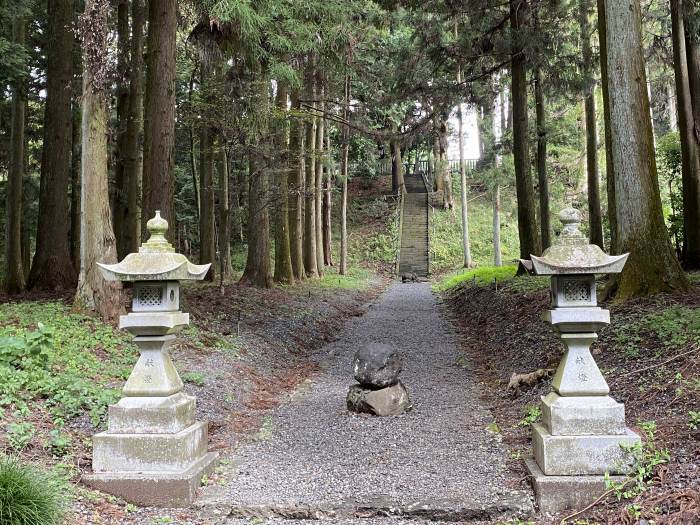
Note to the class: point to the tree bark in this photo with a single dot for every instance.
(344, 178)
(207, 246)
(690, 151)
(159, 113)
(466, 248)
(257, 270)
(283, 255)
(296, 186)
(542, 179)
(328, 208)
(609, 158)
(527, 225)
(496, 226)
(98, 243)
(226, 268)
(320, 164)
(75, 171)
(397, 180)
(652, 266)
(14, 271)
(310, 260)
(122, 95)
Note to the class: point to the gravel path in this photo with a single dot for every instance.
(314, 460)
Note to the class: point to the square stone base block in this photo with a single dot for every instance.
(581, 455)
(583, 415)
(558, 493)
(154, 489)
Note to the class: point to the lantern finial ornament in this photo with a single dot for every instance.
(583, 433)
(154, 452)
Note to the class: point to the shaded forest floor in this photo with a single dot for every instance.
(650, 358)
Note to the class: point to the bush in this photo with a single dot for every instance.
(29, 496)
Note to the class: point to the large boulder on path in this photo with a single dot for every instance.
(389, 401)
(377, 366)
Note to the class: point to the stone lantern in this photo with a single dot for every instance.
(583, 433)
(154, 452)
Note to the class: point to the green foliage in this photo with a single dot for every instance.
(646, 456)
(481, 276)
(533, 413)
(194, 378)
(69, 361)
(20, 434)
(29, 496)
(694, 419)
(669, 161)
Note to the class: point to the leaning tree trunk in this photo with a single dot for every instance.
(609, 159)
(318, 189)
(595, 216)
(283, 255)
(98, 243)
(159, 117)
(14, 271)
(296, 187)
(690, 154)
(310, 260)
(52, 267)
(543, 181)
(652, 266)
(527, 225)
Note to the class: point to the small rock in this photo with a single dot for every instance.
(377, 366)
(390, 401)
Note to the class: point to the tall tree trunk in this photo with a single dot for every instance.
(527, 225)
(595, 216)
(344, 177)
(466, 249)
(320, 164)
(328, 208)
(207, 246)
(98, 243)
(237, 180)
(690, 151)
(543, 181)
(296, 187)
(257, 269)
(671, 111)
(652, 266)
(496, 226)
(224, 211)
(193, 155)
(159, 113)
(310, 260)
(692, 46)
(133, 155)
(283, 254)
(120, 181)
(397, 181)
(14, 271)
(75, 171)
(52, 267)
(609, 158)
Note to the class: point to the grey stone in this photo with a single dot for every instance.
(155, 374)
(377, 366)
(585, 415)
(578, 374)
(557, 493)
(581, 455)
(152, 415)
(155, 489)
(389, 401)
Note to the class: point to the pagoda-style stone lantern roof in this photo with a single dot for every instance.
(582, 436)
(154, 451)
(572, 254)
(156, 260)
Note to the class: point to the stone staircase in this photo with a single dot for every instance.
(413, 254)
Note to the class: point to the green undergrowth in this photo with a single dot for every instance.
(446, 234)
(483, 275)
(66, 362)
(356, 278)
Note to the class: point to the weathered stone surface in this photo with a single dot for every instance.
(558, 493)
(377, 366)
(155, 489)
(149, 452)
(581, 455)
(155, 374)
(389, 401)
(578, 374)
(154, 323)
(152, 415)
(578, 319)
(582, 416)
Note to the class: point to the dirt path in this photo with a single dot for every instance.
(313, 459)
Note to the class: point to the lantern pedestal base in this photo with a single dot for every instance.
(155, 489)
(558, 493)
